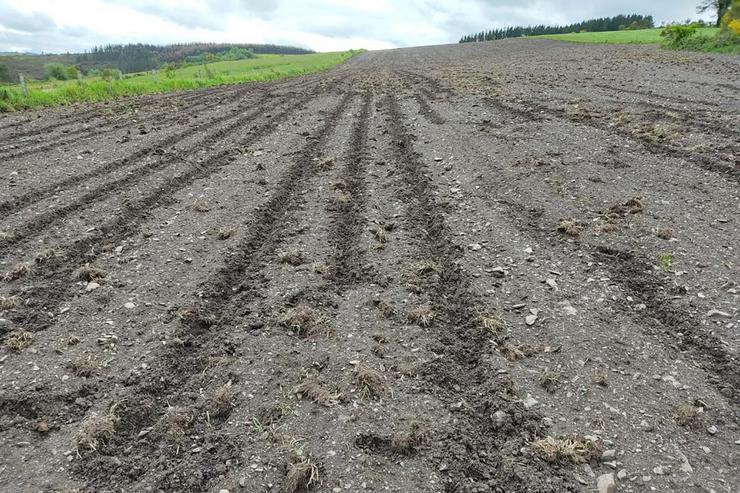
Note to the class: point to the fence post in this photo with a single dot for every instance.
(120, 75)
(24, 89)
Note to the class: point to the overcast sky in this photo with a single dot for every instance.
(322, 25)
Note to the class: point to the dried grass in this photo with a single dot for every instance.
(9, 302)
(370, 383)
(575, 450)
(305, 321)
(18, 271)
(96, 430)
(568, 227)
(18, 340)
(423, 316)
(301, 476)
(312, 389)
(88, 273)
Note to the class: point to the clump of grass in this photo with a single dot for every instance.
(305, 321)
(550, 380)
(18, 340)
(568, 227)
(9, 302)
(225, 233)
(292, 257)
(7, 235)
(601, 379)
(423, 316)
(491, 322)
(301, 475)
(575, 450)
(666, 261)
(405, 442)
(380, 235)
(96, 430)
(686, 415)
(370, 382)
(176, 422)
(386, 307)
(425, 267)
(514, 352)
(635, 205)
(222, 400)
(322, 269)
(327, 163)
(200, 205)
(73, 340)
(47, 256)
(312, 390)
(84, 366)
(195, 315)
(664, 233)
(18, 271)
(88, 273)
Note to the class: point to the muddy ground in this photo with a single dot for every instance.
(506, 267)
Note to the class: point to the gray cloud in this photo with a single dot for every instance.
(36, 22)
(319, 24)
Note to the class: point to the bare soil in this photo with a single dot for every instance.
(499, 267)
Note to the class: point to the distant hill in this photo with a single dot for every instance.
(127, 58)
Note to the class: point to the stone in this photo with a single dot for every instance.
(530, 402)
(129, 305)
(622, 474)
(475, 246)
(92, 286)
(500, 418)
(606, 483)
(712, 430)
(608, 455)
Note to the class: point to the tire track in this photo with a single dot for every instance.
(459, 374)
(204, 339)
(57, 286)
(38, 223)
(348, 217)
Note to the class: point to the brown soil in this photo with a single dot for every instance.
(509, 266)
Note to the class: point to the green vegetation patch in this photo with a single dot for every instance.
(102, 88)
(641, 36)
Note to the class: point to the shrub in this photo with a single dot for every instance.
(675, 35)
(55, 71)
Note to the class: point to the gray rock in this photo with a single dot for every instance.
(606, 483)
(608, 455)
(500, 418)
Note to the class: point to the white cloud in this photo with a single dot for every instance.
(323, 25)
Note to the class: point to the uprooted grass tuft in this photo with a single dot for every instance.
(200, 205)
(96, 430)
(568, 227)
(7, 235)
(514, 352)
(225, 233)
(84, 366)
(664, 233)
(176, 423)
(491, 322)
(576, 450)
(9, 302)
(195, 315)
(18, 340)
(370, 383)
(88, 273)
(222, 400)
(635, 205)
(47, 256)
(550, 380)
(18, 271)
(405, 442)
(305, 321)
(687, 415)
(423, 316)
(292, 257)
(312, 389)
(425, 267)
(301, 476)
(327, 163)
(386, 307)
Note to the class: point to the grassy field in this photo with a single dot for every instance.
(643, 36)
(262, 68)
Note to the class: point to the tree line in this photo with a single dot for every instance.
(616, 23)
(139, 57)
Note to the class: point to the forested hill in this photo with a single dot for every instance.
(127, 58)
(617, 23)
(140, 57)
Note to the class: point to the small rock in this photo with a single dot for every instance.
(622, 474)
(718, 313)
(92, 286)
(530, 402)
(606, 484)
(499, 272)
(660, 470)
(500, 418)
(443, 467)
(551, 282)
(608, 455)
(257, 153)
(129, 305)
(475, 246)
(223, 490)
(530, 319)
(712, 430)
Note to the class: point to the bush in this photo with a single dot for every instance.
(730, 23)
(676, 35)
(55, 71)
(71, 72)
